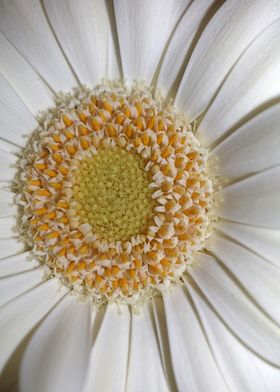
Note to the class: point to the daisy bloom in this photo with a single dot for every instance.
(140, 195)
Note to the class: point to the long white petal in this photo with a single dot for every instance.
(27, 83)
(7, 210)
(253, 201)
(15, 119)
(18, 317)
(7, 205)
(25, 26)
(15, 285)
(244, 371)
(162, 333)
(257, 276)
(263, 242)
(180, 45)
(144, 28)
(7, 166)
(240, 314)
(254, 81)
(57, 356)
(6, 197)
(108, 367)
(16, 263)
(10, 247)
(145, 370)
(7, 228)
(226, 36)
(86, 36)
(194, 366)
(9, 146)
(252, 148)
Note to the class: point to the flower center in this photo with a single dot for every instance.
(115, 193)
(112, 194)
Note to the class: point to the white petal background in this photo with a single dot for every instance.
(220, 61)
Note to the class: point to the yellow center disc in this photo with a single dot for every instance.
(113, 195)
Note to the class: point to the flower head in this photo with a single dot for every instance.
(139, 214)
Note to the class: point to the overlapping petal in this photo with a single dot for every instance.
(17, 284)
(15, 119)
(253, 82)
(145, 369)
(21, 315)
(182, 43)
(237, 310)
(27, 83)
(221, 44)
(7, 228)
(25, 26)
(85, 34)
(253, 201)
(7, 166)
(144, 27)
(259, 278)
(107, 368)
(7, 205)
(264, 242)
(57, 355)
(252, 147)
(194, 366)
(244, 370)
(12, 263)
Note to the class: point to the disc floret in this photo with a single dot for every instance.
(112, 194)
(116, 194)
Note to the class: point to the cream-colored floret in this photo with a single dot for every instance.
(115, 193)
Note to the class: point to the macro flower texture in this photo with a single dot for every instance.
(140, 195)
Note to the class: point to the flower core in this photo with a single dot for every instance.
(112, 194)
(115, 193)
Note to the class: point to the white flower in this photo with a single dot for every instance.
(219, 330)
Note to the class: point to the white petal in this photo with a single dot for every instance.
(9, 147)
(144, 28)
(85, 34)
(258, 277)
(25, 26)
(15, 285)
(162, 333)
(194, 366)
(23, 78)
(7, 206)
(18, 317)
(235, 308)
(244, 371)
(145, 371)
(10, 247)
(224, 39)
(178, 50)
(15, 119)
(252, 148)
(6, 197)
(16, 263)
(7, 166)
(254, 81)
(263, 242)
(63, 342)
(7, 210)
(109, 354)
(253, 201)
(8, 228)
